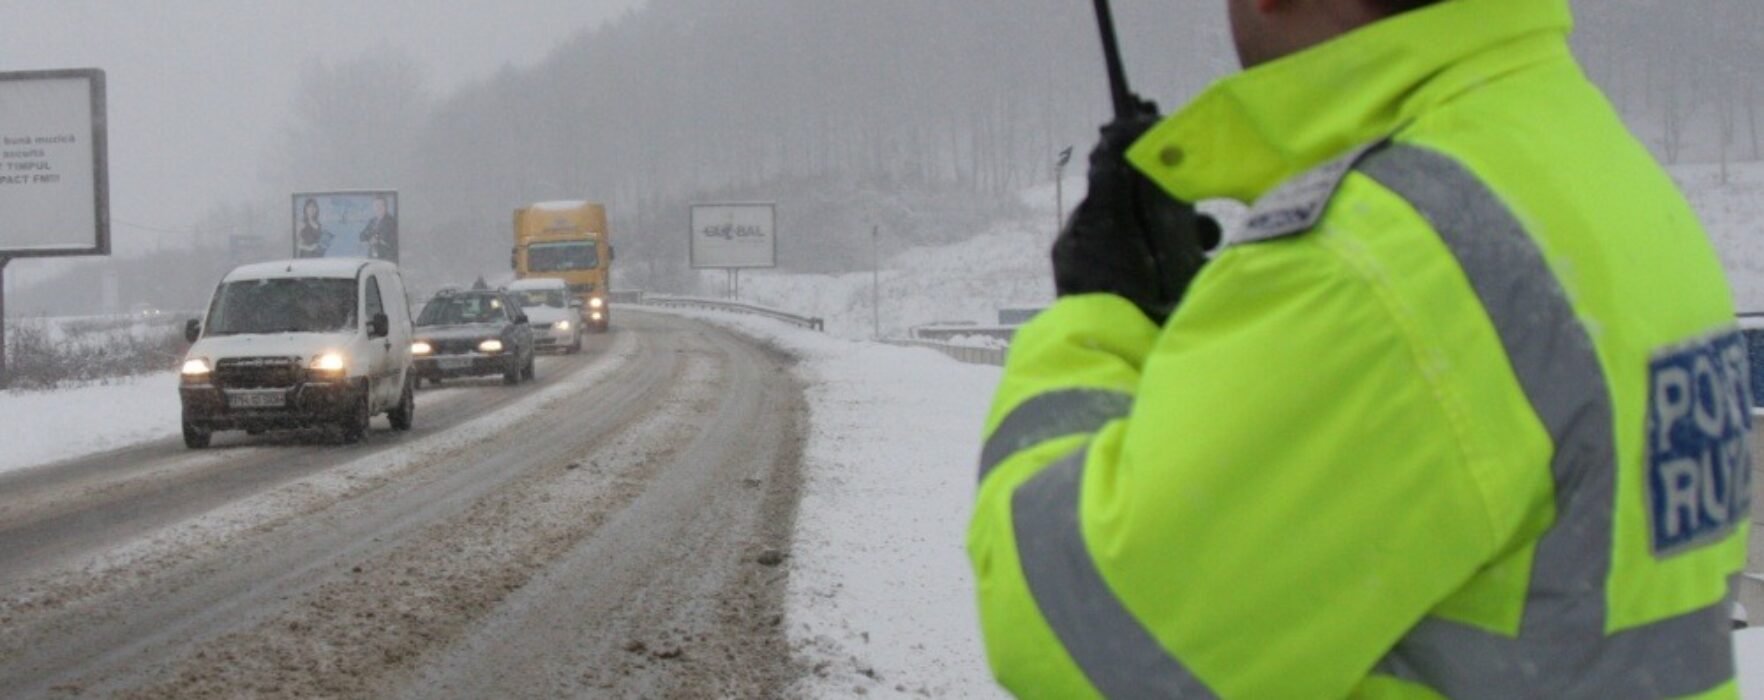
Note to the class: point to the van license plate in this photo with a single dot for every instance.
(257, 399)
(455, 363)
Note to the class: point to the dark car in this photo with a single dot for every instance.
(473, 334)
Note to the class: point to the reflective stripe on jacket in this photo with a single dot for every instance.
(1461, 413)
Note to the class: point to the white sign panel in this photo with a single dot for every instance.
(733, 236)
(53, 192)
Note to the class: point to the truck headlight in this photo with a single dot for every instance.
(195, 368)
(491, 345)
(329, 363)
(561, 325)
(421, 348)
(595, 316)
(596, 303)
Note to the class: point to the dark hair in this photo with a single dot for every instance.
(310, 205)
(1392, 7)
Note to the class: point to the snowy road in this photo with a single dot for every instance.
(594, 535)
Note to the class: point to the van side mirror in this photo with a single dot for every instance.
(192, 330)
(520, 318)
(380, 326)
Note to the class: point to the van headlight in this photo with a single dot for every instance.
(421, 348)
(196, 368)
(596, 303)
(490, 346)
(328, 363)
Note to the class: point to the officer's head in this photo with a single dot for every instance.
(1269, 29)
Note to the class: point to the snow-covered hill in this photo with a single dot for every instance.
(1734, 214)
(1006, 265)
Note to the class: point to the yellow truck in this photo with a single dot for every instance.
(567, 241)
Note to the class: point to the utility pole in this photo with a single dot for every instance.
(875, 283)
(5, 379)
(1060, 190)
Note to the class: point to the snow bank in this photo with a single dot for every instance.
(40, 427)
(880, 595)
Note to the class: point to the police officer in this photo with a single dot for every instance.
(1460, 410)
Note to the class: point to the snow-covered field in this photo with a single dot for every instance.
(1734, 214)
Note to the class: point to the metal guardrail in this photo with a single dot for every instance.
(625, 296)
(947, 332)
(739, 307)
(962, 353)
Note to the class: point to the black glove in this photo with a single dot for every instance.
(1128, 237)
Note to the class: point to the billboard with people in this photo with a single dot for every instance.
(346, 225)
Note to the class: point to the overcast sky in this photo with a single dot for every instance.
(197, 87)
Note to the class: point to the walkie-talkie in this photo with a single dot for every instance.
(1176, 236)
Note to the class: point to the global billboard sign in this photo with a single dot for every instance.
(734, 236)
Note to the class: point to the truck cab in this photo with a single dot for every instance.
(298, 344)
(567, 241)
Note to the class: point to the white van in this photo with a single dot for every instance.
(300, 343)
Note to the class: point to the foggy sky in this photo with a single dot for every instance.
(198, 88)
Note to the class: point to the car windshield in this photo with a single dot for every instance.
(461, 310)
(559, 257)
(286, 305)
(554, 298)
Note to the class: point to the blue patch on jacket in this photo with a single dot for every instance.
(1699, 459)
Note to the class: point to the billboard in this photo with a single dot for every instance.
(360, 224)
(54, 192)
(734, 235)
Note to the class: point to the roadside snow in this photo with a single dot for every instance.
(37, 427)
(1748, 656)
(41, 427)
(880, 599)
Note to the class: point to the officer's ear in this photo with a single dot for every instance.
(1265, 30)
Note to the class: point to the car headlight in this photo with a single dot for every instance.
(491, 345)
(328, 362)
(196, 367)
(421, 348)
(596, 303)
(561, 325)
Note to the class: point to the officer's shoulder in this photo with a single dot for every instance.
(1298, 204)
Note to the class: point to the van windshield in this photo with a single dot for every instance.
(463, 309)
(286, 305)
(560, 257)
(553, 298)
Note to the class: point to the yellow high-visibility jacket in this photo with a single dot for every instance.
(1461, 411)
